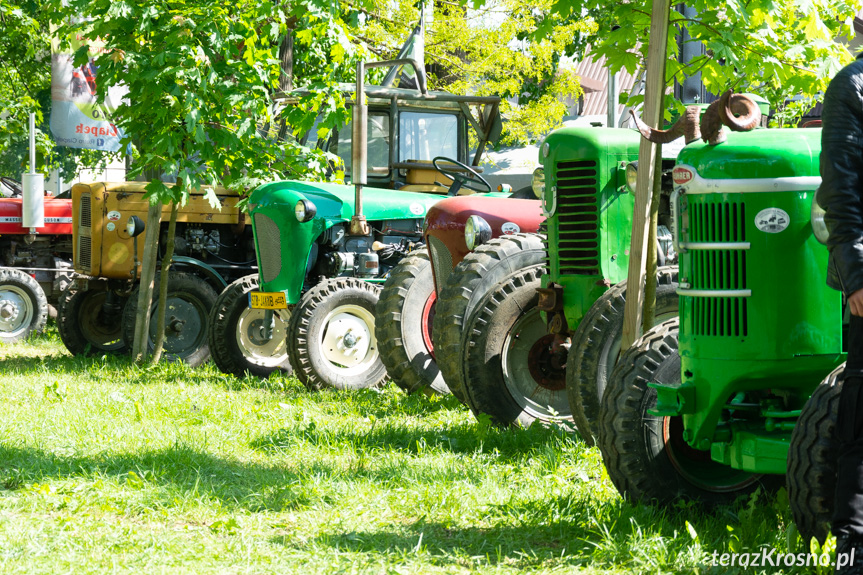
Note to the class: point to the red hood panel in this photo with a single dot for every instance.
(446, 219)
(58, 217)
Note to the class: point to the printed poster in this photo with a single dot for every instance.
(77, 121)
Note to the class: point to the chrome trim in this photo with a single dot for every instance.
(715, 292)
(714, 246)
(699, 185)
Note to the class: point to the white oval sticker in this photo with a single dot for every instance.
(772, 220)
(417, 209)
(114, 216)
(510, 228)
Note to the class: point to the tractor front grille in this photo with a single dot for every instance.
(577, 217)
(269, 247)
(441, 261)
(85, 249)
(86, 221)
(718, 269)
(85, 244)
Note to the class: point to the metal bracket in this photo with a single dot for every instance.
(673, 399)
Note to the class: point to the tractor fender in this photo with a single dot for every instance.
(209, 273)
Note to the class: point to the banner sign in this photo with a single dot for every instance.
(77, 121)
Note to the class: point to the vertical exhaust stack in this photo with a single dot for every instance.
(33, 204)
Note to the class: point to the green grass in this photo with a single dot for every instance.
(105, 467)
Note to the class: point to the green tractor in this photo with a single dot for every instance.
(703, 407)
(323, 250)
(514, 357)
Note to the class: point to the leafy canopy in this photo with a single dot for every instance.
(201, 77)
(490, 49)
(775, 48)
(25, 86)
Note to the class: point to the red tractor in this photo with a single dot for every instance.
(430, 295)
(34, 267)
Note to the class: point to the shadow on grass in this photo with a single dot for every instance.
(507, 445)
(538, 531)
(173, 472)
(63, 363)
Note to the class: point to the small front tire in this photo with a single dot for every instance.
(812, 459)
(645, 455)
(331, 336)
(88, 321)
(236, 338)
(403, 325)
(513, 368)
(596, 348)
(23, 306)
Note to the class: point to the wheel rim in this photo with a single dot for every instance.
(696, 466)
(255, 347)
(16, 311)
(348, 341)
(427, 321)
(185, 325)
(101, 335)
(533, 375)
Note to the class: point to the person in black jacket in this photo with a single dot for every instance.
(841, 196)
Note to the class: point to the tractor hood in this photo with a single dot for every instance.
(335, 202)
(758, 154)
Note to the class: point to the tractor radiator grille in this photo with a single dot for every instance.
(85, 249)
(441, 261)
(86, 222)
(578, 217)
(269, 247)
(84, 263)
(718, 269)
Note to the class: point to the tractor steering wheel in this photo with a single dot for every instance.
(469, 178)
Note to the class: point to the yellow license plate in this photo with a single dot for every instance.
(267, 300)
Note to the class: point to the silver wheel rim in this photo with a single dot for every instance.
(538, 401)
(255, 347)
(348, 341)
(16, 311)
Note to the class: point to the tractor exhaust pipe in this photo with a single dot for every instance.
(359, 153)
(33, 204)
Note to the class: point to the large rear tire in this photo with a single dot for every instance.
(472, 279)
(646, 457)
(514, 369)
(403, 325)
(237, 340)
(23, 306)
(812, 455)
(596, 348)
(87, 326)
(187, 317)
(331, 336)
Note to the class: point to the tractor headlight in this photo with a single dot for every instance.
(819, 227)
(476, 232)
(631, 176)
(305, 210)
(135, 226)
(538, 182)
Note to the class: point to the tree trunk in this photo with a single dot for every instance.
(286, 57)
(654, 91)
(650, 265)
(163, 285)
(148, 273)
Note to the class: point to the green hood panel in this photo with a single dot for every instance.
(757, 154)
(336, 201)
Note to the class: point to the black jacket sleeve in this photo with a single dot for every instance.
(841, 192)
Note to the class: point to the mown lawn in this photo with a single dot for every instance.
(105, 467)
